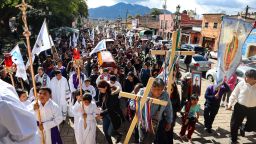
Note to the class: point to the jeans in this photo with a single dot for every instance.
(210, 111)
(107, 128)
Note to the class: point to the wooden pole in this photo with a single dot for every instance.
(13, 84)
(21, 83)
(170, 77)
(23, 7)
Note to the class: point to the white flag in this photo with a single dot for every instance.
(92, 36)
(18, 60)
(74, 39)
(84, 43)
(42, 42)
(70, 42)
(99, 47)
(51, 41)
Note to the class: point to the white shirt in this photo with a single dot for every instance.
(89, 88)
(17, 124)
(244, 94)
(117, 84)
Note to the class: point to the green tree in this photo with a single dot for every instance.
(137, 16)
(57, 12)
(155, 12)
(129, 17)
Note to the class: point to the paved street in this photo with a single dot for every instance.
(221, 128)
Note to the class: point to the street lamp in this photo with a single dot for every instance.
(177, 17)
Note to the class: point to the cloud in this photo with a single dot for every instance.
(221, 3)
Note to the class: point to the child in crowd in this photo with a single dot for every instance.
(88, 87)
(23, 96)
(78, 98)
(88, 112)
(190, 117)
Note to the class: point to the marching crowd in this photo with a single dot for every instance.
(95, 96)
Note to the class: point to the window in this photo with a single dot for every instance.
(199, 58)
(215, 25)
(206, 25)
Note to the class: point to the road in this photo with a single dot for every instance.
(220, 135)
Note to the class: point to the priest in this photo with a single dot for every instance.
(42, 77)
(60, 92)
(17, 124)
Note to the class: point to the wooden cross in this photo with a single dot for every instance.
(173, 53)
(143, 100)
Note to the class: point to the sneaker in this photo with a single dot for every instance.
(208, 130)
(222, 104)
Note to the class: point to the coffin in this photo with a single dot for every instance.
(106, 59)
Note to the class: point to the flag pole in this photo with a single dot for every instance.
(23, 7)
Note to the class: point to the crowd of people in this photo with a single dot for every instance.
(90, 93)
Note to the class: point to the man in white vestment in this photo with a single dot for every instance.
(51, 116)
(17, 124)
(42, 77)
(60, 92)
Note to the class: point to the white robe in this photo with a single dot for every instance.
(41, 79)
(60, 92)
(70, 81)
(51, 116)
(17, 124)
(87, 135)
(91, 89)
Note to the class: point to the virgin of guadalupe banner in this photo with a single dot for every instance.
(232, 37)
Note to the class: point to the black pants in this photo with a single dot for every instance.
(238, 115)
(210, 111)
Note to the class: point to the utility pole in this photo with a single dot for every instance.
(246, 11)
(164, 6)
(126, 19)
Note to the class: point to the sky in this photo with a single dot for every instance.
(201, 6)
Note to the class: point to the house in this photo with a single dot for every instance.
(211, 27)
(190, 27)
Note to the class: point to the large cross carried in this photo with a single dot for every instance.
(142, 102)
(172, 56)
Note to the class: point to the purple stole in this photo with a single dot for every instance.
(76, 80)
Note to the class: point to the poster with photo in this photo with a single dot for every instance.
(196, 83)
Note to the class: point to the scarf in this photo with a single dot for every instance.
(76, 80)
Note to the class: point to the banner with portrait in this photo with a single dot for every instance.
(232, 37)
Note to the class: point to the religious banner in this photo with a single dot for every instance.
(249, 47)
(233, 34)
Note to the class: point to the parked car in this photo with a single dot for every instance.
(240, 72)
(213, 54)
(252, 58)
(198, 63)
(194, 47)
(167, 43)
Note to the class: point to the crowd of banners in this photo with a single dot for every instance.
(251, 39)
(233, 35)
(18, 60)
(42, 42)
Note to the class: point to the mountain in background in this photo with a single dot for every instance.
(119, 10)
